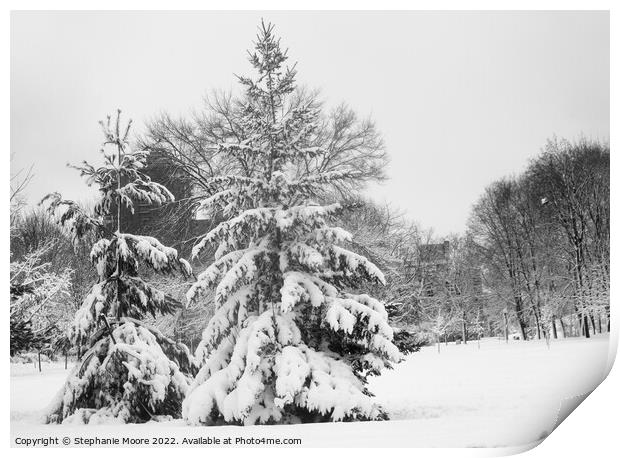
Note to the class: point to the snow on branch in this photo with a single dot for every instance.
(313, 380)
(123, 296)
(156, 255)
(213, 273)
(310, 184)
(143, 190)
(330, 235)
(350, 264)
(309, 215)
(305, 255)
(249, 223)
(72, 216)
(232, 313)
(243, 147)
(376, 321)
(301, 287)
(154, 384)
(242, 272)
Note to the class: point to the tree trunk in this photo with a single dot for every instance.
(520, 320)
(563, 326)
(66, 359)
(506, 326)
(536, 318)
(464, 332)
(583, 324)
(39, 361)
(554, 328)
(608, 321)
(593, 324)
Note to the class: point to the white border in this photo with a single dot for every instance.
(589, 431)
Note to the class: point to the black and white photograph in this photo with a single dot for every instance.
(307, 228)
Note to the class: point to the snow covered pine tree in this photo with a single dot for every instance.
(286, 344)
(132, 372)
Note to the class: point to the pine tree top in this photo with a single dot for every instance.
(120, 181)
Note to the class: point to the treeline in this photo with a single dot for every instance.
(49, 276)
(542, 240)
(533, 262)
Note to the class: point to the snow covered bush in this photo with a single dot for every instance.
(131, 372)
(38, 297)
(127, 376)
(292, 338)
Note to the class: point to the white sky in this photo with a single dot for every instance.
(462, 98)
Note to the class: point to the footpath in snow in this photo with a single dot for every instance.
(501, 395)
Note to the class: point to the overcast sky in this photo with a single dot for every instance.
(461, 98)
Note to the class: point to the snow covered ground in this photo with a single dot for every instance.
(503, 394)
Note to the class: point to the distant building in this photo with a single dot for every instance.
(436, 254)
(174, 223)
(435, 276)
(433, 261)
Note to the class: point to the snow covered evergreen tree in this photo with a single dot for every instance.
(131, 372)
(292, 338)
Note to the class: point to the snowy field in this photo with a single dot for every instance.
(501, 395)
